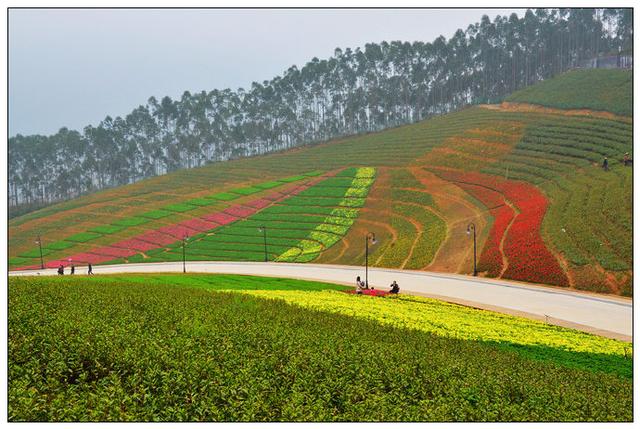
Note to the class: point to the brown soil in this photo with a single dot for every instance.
(455, 254)
(534, 108)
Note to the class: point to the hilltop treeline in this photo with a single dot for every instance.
(354, 91)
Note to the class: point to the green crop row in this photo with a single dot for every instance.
(156, 214)
(393, 254)
(34, 253)
(249, 190)
(201, 202)
(58, 245)
(131, 221)
(179, 207)
(335, 225)
(106, 229)
(429, 239)
(224, 196)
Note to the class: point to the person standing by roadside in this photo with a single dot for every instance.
(61, 270)
(89, 269)
(73, 269)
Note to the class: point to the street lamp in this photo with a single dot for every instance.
(263, 230)
(371, 236)
(39, 243)
(471, 227)
(185, 238)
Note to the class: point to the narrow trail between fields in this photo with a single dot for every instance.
(505, 260)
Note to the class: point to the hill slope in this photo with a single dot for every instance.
(529, 180)
(596, 89)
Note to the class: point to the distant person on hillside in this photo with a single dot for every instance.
(359, 285)
(61, 270)
(394, 288)
(73, 269)
(626, 159)
(605, 164)
(89, 269)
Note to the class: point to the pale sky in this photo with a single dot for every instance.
(73, 67)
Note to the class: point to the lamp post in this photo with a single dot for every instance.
(39, 242)
(263, 230)
(472, 227)
(371, 236)
(185, 238)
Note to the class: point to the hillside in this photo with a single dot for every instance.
(528, 179)
(595, 89)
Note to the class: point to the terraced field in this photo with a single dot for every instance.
(528, 177)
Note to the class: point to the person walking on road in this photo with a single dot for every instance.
(89, 269)
(61, 270)
(73, 269)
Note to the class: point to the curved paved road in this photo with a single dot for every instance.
(603, 315)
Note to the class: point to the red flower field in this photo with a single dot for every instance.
(527, 256)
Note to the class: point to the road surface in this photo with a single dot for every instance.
(599, 314)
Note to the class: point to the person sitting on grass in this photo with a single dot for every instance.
(395, 289)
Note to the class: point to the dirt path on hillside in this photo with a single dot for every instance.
(505, 261)
(534, 108)
(455, 255)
